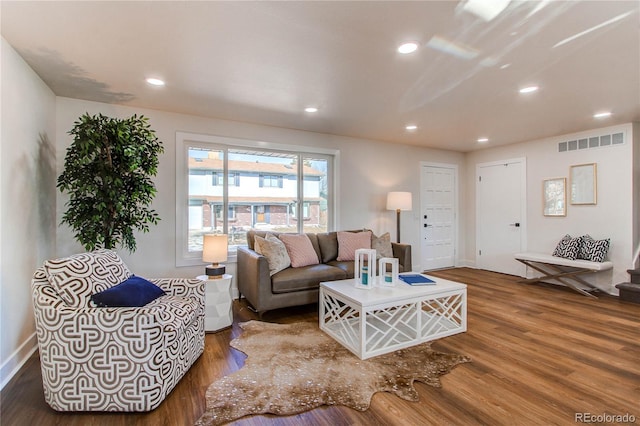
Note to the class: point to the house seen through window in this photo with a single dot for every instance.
(233, 190)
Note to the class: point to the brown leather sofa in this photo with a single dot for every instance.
(297, 286)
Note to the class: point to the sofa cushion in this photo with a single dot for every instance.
(314, 242)
(300, 250)
(382, 245)
(348, 266)
(76, 278)
(304, 278)
(134, 292)
(275, 251)
(349, 242)
(328, 243)
(253, 233)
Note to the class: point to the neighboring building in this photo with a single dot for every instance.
(260, 194)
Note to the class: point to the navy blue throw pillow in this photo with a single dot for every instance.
(134, 292)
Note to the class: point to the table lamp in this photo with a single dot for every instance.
(398, 201)
(214, 250)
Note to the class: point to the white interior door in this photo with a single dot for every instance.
(500, 215)
(438, 215)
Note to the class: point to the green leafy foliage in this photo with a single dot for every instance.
(107, 174)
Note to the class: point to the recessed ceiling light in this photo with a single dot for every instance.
(602, 114)
(411, 127)
(155, 82)
(408, 47)
(529, 89)
(483, 140)
(311, 109)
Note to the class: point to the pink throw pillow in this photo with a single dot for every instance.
(300, 250)
(349, 242)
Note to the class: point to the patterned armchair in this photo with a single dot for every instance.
(112, 359)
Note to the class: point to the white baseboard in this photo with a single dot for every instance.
(17, 359)
(460, 263)
(466, 263)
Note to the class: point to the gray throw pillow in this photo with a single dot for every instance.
(382, 245)
(275, 252)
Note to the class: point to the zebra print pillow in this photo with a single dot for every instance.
(77, 277)
(568, 247)
(594, 250)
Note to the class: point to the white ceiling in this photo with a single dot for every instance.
(263, 62)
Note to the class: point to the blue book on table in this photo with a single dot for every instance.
(416, 279)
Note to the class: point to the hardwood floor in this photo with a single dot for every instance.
(541, 355)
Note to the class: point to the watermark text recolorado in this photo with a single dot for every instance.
(604, 418)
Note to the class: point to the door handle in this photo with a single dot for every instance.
(517, 224)
(426, 225)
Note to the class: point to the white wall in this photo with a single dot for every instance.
(611, 217)
(636, 193)
(367, 170)
(28, 200)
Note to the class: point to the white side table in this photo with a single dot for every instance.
(218, 314)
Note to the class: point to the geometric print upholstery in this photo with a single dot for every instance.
(79, 276)
(568, 247)
(593, 250)
(116, 359)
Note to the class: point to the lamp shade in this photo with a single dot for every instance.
(399, 201)
(214, 248)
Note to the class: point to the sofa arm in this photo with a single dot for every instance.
(403, 253)
(254, 281)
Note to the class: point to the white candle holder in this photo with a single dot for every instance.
(388, 278)
(365, 268)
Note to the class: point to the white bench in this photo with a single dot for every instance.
(562, 270)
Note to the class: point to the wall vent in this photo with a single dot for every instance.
(591, 142)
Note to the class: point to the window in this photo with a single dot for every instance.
(305, 210)
(278, 188)
(231, 213)
(218, 179)
(270, 181)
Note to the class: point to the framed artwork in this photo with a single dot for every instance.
(583, 184)
(554, 197)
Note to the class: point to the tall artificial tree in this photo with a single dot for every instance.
(107, 173)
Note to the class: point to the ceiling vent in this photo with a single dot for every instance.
(591, 142)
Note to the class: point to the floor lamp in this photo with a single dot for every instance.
(399, 201)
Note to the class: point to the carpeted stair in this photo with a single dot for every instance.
(630, 291)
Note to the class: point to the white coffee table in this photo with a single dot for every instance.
(384, 319)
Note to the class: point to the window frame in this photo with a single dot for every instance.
(186, 140)
(233, 179)
(271, 178)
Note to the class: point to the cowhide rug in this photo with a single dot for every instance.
(297, 367)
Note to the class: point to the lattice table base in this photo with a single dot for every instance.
(369, 330)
